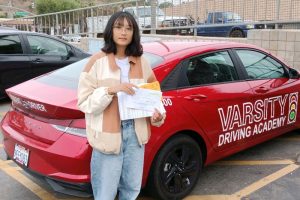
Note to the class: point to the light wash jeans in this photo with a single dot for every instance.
(123, 172)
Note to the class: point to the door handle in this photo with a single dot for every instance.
(195, 97)
(262, 90)
(37, 60)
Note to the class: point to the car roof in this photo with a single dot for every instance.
(16, 31)
(5, 31)
(7, 28)
(166, 48)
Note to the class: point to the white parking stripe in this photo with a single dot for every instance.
(266, 180)
(36, 189)
(254, 162)
(211, 197)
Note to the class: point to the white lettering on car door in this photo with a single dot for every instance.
(254, 119)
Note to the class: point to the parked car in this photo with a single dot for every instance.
(220, 98)
(142, 14)
(224, 24)
(24, 55)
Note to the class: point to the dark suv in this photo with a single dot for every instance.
(25, 55)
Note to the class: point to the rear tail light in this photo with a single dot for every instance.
(71, 130)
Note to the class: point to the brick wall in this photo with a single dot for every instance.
(254, 10)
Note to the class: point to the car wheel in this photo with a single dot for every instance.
(236, 33)
(176, 168)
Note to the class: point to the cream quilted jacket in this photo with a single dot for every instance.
(101, 109)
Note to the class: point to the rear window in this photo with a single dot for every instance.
(10, 44)
(68, 76)
(153, 59)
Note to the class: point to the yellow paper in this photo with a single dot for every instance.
(151, 86)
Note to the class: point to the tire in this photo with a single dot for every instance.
(7, 156)
(236, 33)
(176, 169)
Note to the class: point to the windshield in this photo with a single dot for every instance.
(68, 76)
(233, 17)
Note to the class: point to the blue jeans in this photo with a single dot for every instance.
(112, 173)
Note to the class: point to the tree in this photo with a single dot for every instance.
(50, 6)
(165, 4)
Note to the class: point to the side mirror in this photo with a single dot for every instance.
(70, 54)
(294, 74)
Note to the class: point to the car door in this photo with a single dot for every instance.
(273, 108)
(211, 92)
(47, 54)
(14, 62)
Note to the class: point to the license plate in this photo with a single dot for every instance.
(21, 155)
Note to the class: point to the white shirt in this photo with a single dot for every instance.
(124, 66)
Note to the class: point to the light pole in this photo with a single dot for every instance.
(10, 12)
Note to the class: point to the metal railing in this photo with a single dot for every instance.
(154, 16)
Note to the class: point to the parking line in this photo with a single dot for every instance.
(254, 162)
(211, 197)
(9, 162)
(265, 181)
(36, 189)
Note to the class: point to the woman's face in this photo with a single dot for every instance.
(122, 33)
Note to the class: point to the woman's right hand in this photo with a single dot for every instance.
(123, 87)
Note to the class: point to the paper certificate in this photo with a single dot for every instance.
(141, 104)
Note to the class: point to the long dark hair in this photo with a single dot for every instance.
(134, 48)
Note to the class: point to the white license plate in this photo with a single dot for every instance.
(21, 155)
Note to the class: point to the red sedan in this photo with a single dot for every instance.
(220, 98)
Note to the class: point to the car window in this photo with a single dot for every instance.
(10, 44)
(68, 76)
(260, 66)
(153, 59)
(47, 46)
(211, 68)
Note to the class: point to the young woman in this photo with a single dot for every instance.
(118, 146)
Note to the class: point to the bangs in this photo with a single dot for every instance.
(120, 21)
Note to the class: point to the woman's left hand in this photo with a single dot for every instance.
(157, 116)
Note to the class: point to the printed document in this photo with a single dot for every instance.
(141, 104)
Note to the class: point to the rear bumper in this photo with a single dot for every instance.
(75, 189)
(65, 162)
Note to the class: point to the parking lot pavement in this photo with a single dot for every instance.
(266, 171)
